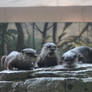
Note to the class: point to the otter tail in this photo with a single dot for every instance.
(3, 61)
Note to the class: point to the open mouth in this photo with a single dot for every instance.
(70, 62)
(51, 53)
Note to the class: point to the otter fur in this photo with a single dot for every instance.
(79, 54)
(20, 60)
(2, 61)
(48, 56)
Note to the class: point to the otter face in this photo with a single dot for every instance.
(29, 52)
(48, 56)
(69, 58)
(50, 48)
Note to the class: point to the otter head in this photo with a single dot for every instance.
(69, 59)
(30, 53)
(49, 49)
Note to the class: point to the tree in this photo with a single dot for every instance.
(20, 42)
(3, 28)
(72, 41)
(54, 32)
(33, 35)
(43, 32)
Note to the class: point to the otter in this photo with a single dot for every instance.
(2, 61)
(79, 54)
(23, 60)
(48, 56)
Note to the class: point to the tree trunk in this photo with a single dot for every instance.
(44, 34)
(20, 42)
(33, 36)
(54, 32)
(3, 29)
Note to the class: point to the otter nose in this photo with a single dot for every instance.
(52, 49)
(69, 58)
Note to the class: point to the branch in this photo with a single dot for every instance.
(37, 28)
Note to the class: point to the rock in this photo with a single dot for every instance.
(83, 71)
(6, 86)
(8, 75)
(52, 79)
(19, 87)
(58, 85)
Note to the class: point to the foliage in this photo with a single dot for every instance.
(28, 42)
(10, 40)
(70, 42)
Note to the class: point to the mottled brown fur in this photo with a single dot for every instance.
(18, 60)
(79, 54)
(3, 65)
(48, 56)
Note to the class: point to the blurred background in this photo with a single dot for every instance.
(16, 36)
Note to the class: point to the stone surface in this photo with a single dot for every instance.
(53, 79)
(58, 85)
(8, 75)
(6, 86)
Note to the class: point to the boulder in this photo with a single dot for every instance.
(52, 79)
(8, 75)
(6, 86)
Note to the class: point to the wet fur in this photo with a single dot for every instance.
(3, 62)
(79, 54)
(45, 60)
(17, 60)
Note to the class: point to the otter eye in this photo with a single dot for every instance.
(49, 47)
